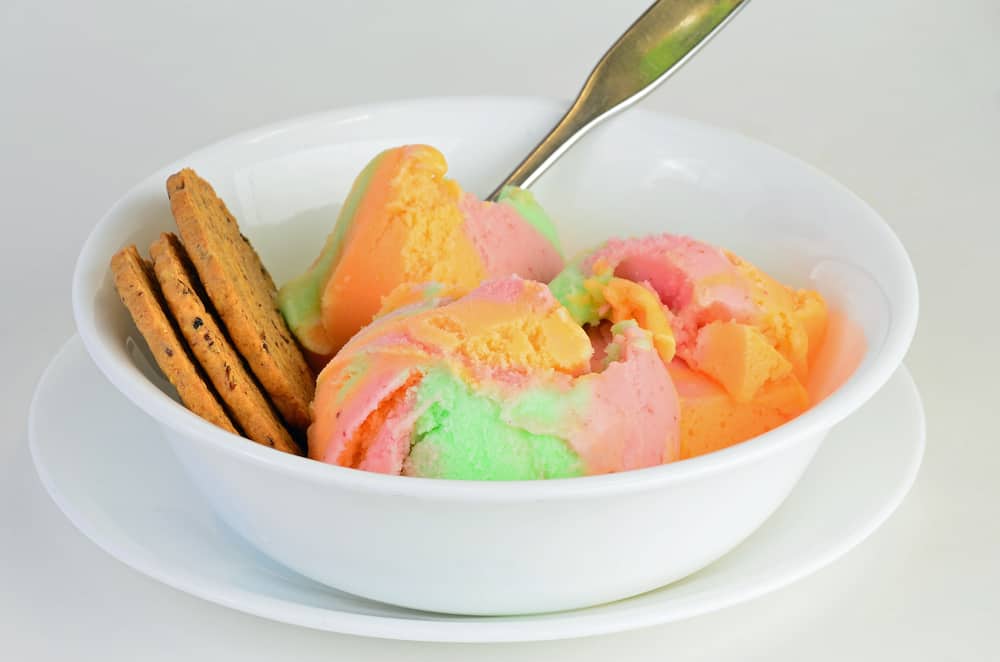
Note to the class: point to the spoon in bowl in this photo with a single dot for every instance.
(660, 41)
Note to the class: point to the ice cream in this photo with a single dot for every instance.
(712, 419)
(494, 385)
(743, 341)
(405, 222)
(452, 342)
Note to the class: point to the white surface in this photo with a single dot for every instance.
(185, 546)
(495, 547)
(898, 100)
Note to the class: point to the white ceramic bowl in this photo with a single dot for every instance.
(533, 546)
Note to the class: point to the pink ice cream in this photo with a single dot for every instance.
(405, 222)
(497, 384)
(743, 340)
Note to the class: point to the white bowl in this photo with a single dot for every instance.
(532, 546)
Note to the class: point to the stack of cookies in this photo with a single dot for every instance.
(207, 309)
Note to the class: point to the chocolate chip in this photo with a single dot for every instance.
(168, 351)
(197, 323)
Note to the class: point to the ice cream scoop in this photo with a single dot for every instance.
(729, 319)
(405, 222)
(495, 385)
(743, 341)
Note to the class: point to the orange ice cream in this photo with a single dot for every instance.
(743, 341)
(405, 222)
(711, 419)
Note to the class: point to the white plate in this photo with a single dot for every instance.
(107, 467)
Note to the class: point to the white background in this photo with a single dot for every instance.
(898, 99)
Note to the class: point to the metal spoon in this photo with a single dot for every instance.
(666, 36)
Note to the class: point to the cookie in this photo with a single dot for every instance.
(243, 293)
(138, 291)
(210, 346)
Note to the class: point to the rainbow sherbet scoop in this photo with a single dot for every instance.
(497, 384)
(738, 344)
(404, 222)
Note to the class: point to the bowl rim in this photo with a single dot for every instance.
(846, 399)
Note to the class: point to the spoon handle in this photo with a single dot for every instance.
(661, 40)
